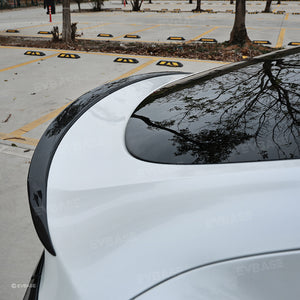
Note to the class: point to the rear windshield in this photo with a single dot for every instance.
(250, 114)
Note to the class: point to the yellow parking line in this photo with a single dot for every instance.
(117, 37)
(116, 54)
(33, 26)
(28, 127)
(280, 38)
(199, 36)
(40, 25)
(17, 135)
(26, 35)
(99, 25)
(286, 17)
(28, 62)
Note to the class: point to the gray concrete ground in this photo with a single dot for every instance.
(34, 89)
(153, 26)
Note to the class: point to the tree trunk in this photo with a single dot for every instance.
(190, 1)
(136, 5)
(198, 7)
(239, 34)
(268, 6)
(279, 2)
(78, 3)
(66, 31)
(231, 1)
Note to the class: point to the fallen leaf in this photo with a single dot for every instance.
(7, 119)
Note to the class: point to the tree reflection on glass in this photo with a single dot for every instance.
(246, 115)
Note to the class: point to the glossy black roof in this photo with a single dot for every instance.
(241, 113)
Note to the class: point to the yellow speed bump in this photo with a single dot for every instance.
(44, 32)
(35, 53)
(105, 35)
(68, 55)
(132, 36)
(261, 42)
(208, 40)
(168, 63)
(12, 31)
(280, 12)
(126, 60)
(294, 44)
(229, 11)
(176, 38)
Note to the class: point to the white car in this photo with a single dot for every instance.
(172, 186)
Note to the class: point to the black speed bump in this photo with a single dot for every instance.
(126, 60)
(105, 35)
(131, 36)
(168, 63)
(12, 31)
(294, 44)
(44, 32)
(68, 55)
(208, 40)
(36, 53)
(176, 38)
(261, 42)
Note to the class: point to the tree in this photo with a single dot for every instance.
(97, 4)
(136, 4)
(66, 31)
(231, 2)
(78, 3)
(239, 34)
(198, 7)
(268, 6)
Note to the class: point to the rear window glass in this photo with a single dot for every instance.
(250, 114)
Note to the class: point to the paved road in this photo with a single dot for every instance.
(152, 26)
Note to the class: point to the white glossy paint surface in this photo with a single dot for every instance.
(116, 221)
(263, 277)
